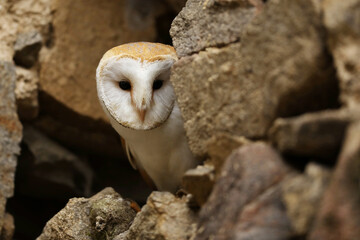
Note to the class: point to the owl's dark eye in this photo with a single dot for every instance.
(157, 84)
(125, 85)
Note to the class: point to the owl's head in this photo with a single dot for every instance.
(133, 84)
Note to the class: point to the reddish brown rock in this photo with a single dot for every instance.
(246, 198)
(339, 214)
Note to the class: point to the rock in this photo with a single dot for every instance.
(68, 66)
(203, 23)
(318, 134)
(302, 196)
(339, 214)
(341, 21)
(8, 227)
(220, 146)
(235, 89)
(246, 202)
(27, 47)
(199, 182)
(100, 217)
(47, 169)
(27, 93)
(10, 135)
(163, 217)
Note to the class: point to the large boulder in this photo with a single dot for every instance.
(280, 68)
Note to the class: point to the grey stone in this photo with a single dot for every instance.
(27, 47)
(100, 217)
(164, 217)
(281, 68)
(246, 200)
(204, 23)
(10, 135)
(318, 134)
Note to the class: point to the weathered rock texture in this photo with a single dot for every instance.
(243, 87)
(339, 214)
(246, 201)
(204, 23)
(302, 194)
(10, 136)
(163, 217)
(27, 93)
(341, 19)
(318, 134)
(102, 216)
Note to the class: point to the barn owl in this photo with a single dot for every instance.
(135, 92)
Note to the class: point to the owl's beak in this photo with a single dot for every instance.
(141, 114)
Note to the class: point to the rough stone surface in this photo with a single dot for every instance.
(220, 146)
(204, 23)
(27, 93)
(164, 217)
(23, 16)
(341, 19)
(199, 182)
(302, 195)
(27, 47)
(68, 65)
(8, 227)
(246, 201)
(236, 89)
(339, 214)
(10, 134)
(100, 217)
(318, 134)
(49, 170)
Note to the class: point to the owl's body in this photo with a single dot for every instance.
(136, 94)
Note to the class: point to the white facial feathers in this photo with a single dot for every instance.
(146, 104)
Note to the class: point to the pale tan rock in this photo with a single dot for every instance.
(26, 92)
(199, 182)
(302, 196)
(164, 217)
(281, 68)
(22, 16)
(341, 21)
(102, 216)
